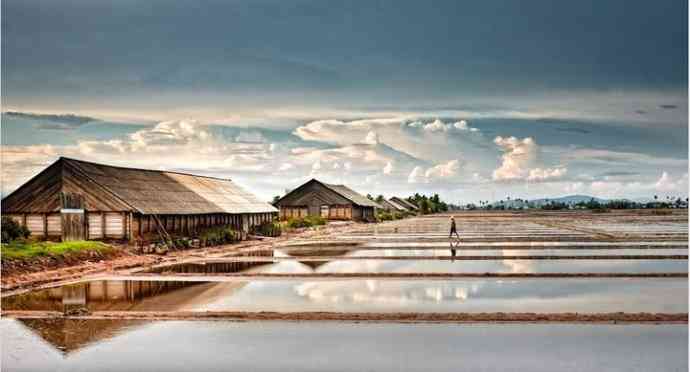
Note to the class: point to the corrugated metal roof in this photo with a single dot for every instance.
(352, 195)
(161, 192)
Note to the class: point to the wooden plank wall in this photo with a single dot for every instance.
(144, 226)
(95, 225)
(335, 212)
(40, 225)
(115, 225)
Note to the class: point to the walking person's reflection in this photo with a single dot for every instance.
(453, 247)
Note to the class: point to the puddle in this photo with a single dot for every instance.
(129, 346)
(366, 295)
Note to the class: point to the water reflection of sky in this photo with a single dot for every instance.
(482, 266)
(511, 252)
(365, 295)
(537, 295)
(334, 346)
(556, 244)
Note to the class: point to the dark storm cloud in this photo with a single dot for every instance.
(64, 49)
(51, 121)
(618, 174)
(573, 130)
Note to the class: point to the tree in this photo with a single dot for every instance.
(379, 199)
(11, 230)
(424, 206)
(679, 203)
(275, 199)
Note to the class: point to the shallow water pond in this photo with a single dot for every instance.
(378, 265)
(587, 295)
(271, 346)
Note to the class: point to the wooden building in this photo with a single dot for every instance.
(392, 206)
(333, 202)
(405, 203)
(74, 199)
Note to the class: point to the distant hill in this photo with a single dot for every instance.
(570, 200)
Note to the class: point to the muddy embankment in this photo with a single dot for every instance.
(45, 270)
(440, 276)
(497, 317)
(12, 267)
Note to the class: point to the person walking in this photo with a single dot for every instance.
(453, 228)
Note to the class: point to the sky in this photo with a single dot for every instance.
(471, 100)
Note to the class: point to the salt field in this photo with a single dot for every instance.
(603, 290)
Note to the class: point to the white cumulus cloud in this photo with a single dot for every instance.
(388, 169)
(539, 174)
(438, 172)
(416, 176)
(372, 138)
(519, 161)
(666, 183)
(436, 126)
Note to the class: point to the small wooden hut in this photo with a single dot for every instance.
(332, 202)
(74, 199)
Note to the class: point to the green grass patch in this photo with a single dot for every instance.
(26, 250)
(271, 228)
(307, 221)
(218, 235)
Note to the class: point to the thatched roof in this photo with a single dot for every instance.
(352, 196)
(404, 202)
(392, 205)
(327, 194)
(146, 191)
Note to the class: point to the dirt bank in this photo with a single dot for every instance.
(618, 317)
(439, 276)
(49, 270)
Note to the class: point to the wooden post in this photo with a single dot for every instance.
(130, 234)
(102, 225)
(45, 226)
(86, 223)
